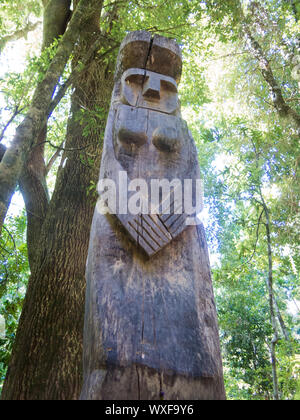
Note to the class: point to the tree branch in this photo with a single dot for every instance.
(16, 112)
(53, 159)
(2, 151)
(281, 321)
(77, 71)
(59, 148)
(11, 237)
(283, 109)
(256, 241)
(21, 33)
(271, 300)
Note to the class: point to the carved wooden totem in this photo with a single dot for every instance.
(150, 323)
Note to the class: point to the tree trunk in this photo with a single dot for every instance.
(47, 357)
(32, 182)
(33, 186)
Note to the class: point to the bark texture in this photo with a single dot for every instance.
(33, 184)
(57, 14)
(47, 357)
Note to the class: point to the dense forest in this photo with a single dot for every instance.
(240, 96)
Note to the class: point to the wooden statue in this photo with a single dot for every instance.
(150, 323)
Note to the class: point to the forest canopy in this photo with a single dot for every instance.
(239, 93)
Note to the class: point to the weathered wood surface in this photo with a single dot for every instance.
(150, 323)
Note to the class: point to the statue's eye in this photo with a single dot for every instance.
(168, 86)
(136, 79)
(132, 83)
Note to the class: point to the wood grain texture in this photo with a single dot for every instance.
(152, 319)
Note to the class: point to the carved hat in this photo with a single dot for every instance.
(140, 49)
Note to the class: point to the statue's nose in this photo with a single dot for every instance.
(151, 87)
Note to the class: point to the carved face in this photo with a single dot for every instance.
(146, 89)
(148, 137)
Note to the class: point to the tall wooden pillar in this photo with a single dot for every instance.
(150, 324)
